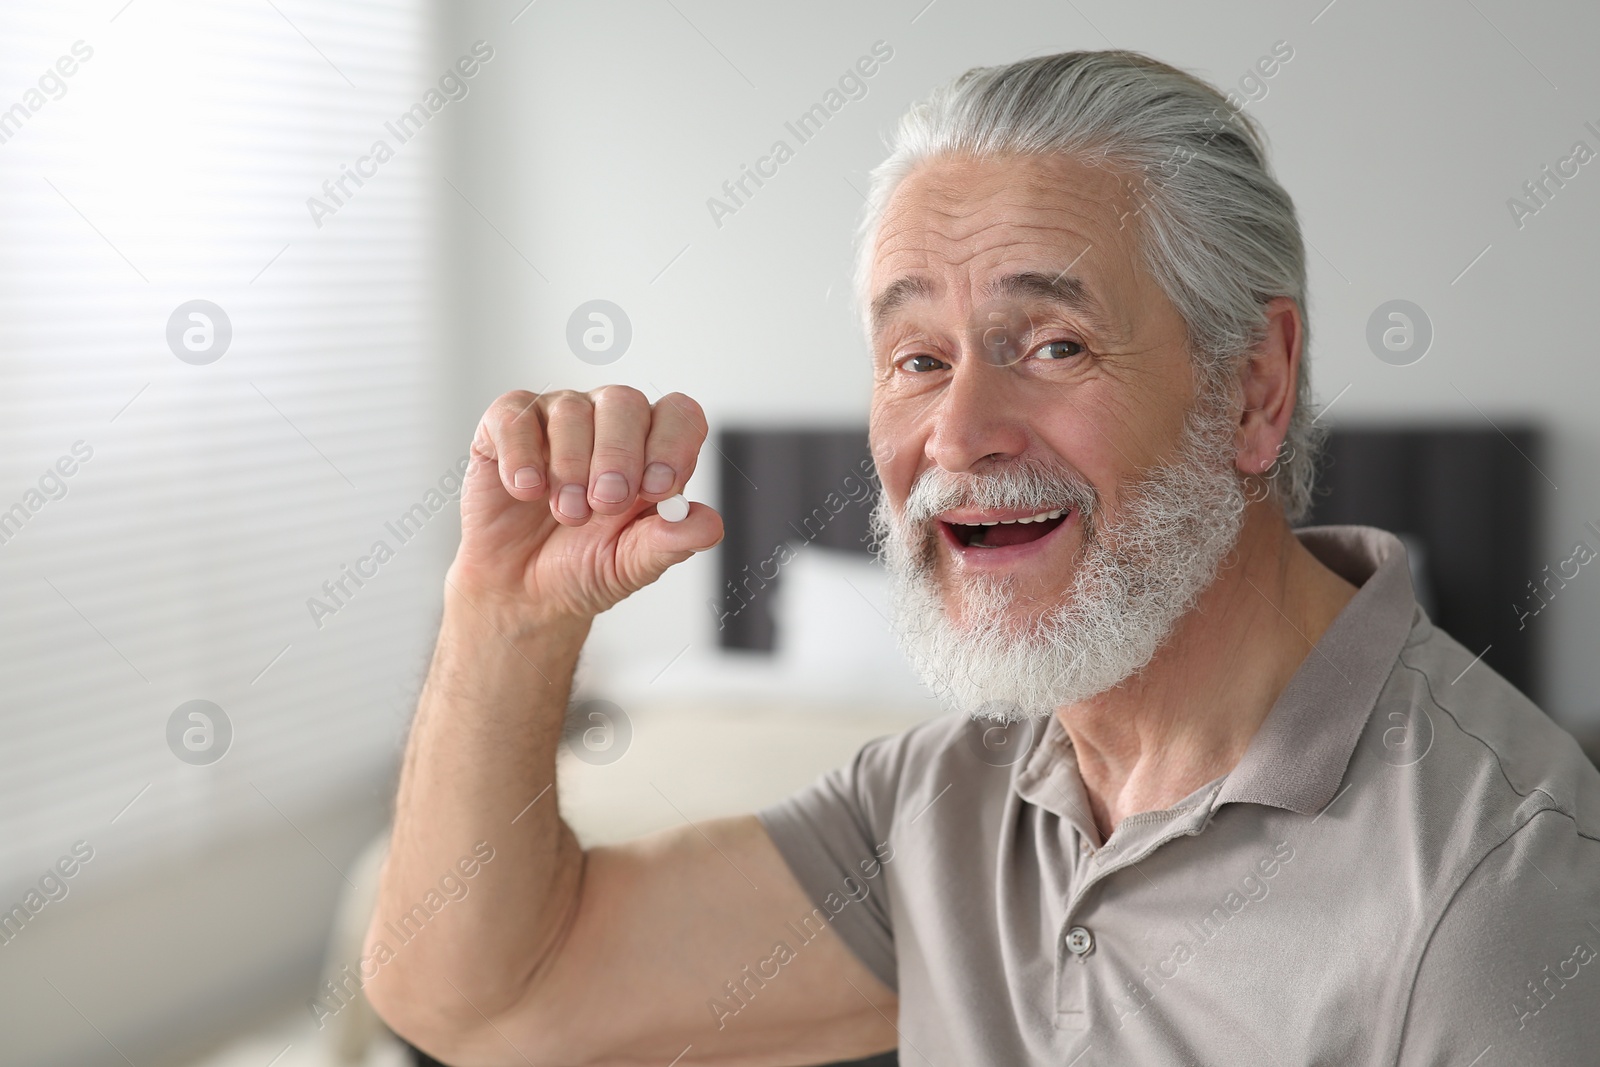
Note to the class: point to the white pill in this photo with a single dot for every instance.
(673, 509)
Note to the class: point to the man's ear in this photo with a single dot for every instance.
(1269, 382)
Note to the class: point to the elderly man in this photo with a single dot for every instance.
(1216, 791)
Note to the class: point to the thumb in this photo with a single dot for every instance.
(655, 544)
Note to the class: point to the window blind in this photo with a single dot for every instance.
(170, 508)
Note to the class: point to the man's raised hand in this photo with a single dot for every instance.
(558, 514)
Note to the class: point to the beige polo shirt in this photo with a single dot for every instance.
(1404, 868)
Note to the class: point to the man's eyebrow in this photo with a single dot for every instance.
(1064, 290)
(896, 295)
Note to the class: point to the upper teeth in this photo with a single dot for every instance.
(1041, 517)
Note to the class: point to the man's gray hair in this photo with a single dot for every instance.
(1219, 234)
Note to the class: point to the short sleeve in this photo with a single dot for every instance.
(1514, 962)
(834, 835)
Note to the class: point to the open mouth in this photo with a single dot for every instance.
(1003, 533)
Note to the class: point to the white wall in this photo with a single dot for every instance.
(1401, 132)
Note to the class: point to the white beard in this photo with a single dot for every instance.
(1133, 581)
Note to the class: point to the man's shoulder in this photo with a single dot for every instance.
(1499, 756)
(1507, 805)
(1465, 834)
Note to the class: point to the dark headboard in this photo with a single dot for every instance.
(784, 487)
(1472, 499)
(1475, 501)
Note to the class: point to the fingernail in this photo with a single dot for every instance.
(658, 478)
(611, 488)
(572, 502)
(525, 478)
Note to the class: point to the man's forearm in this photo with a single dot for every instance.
(480, 767)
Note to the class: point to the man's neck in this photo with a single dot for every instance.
(1188, 717)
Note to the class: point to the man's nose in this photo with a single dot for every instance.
(976, 420)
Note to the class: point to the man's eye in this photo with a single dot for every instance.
(924, 363)
(1058, 350)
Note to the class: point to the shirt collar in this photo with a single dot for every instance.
(1298, 755)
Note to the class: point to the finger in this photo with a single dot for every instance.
(569, 431)
(510, 435)
(677, 430)
(621, 421)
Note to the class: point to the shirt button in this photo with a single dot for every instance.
(1079, 941)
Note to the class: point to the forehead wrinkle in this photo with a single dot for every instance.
(926, 243)
(958, 251)
(929, 231)
(896, 229)
(924, 282)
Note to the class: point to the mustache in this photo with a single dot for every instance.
(1033, 484)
